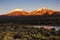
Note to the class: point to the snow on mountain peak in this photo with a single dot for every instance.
(14, 10)
(41, 9)
(17, 10)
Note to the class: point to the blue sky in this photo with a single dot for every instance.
(28, 5)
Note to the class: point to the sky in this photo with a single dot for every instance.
(28, 5)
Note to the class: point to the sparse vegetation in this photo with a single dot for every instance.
(21, 32)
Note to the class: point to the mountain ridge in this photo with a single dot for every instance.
(37, 12)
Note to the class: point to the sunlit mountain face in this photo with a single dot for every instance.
(42, 11)
(17, 12)
(37, 12)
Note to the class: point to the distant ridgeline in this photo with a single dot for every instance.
(36, 17)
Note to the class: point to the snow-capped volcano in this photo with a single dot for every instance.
(42, 11)
(17, 12)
